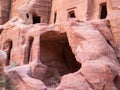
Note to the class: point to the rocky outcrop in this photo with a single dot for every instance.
(100, 66)
(94, 64)
(21, 78)
(114, 18)
(64, 54)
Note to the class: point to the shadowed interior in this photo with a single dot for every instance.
(57, 55)
(8, 47)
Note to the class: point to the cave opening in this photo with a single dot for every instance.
(56, 54)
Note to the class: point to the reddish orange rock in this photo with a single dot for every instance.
(61, 44)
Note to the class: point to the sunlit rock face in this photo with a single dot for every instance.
(60, 45)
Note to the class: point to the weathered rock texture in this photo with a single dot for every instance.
(67, 54)
(5, 6)
(3, 57)
(49, 51)
(29, 8)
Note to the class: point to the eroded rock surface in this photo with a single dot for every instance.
(74, 55)
(99, 63)
(20, 78)
(61, 44)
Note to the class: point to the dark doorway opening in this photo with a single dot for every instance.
(8, 47)
(27, 15)
(29, 51)
(55, 17)
(57, 55)
(36, 19)
(71, 14)
(103, 11)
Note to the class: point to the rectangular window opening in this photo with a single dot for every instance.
(71, 14)
(103, 11)
(36, 19)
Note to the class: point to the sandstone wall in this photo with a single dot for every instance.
(12, 39)
(92, 43)
(15, 5)
(5, 10)
(96, 9)
(7, 38)
(114, 18)
(27, 8)
(40, 8)
(62, 7)
(84, 10)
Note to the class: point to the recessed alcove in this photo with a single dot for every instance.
(71, 14)
(8, 47)
(36, 19)
(56, 54)
(103, 10)
(28, 52)
(55, 17)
